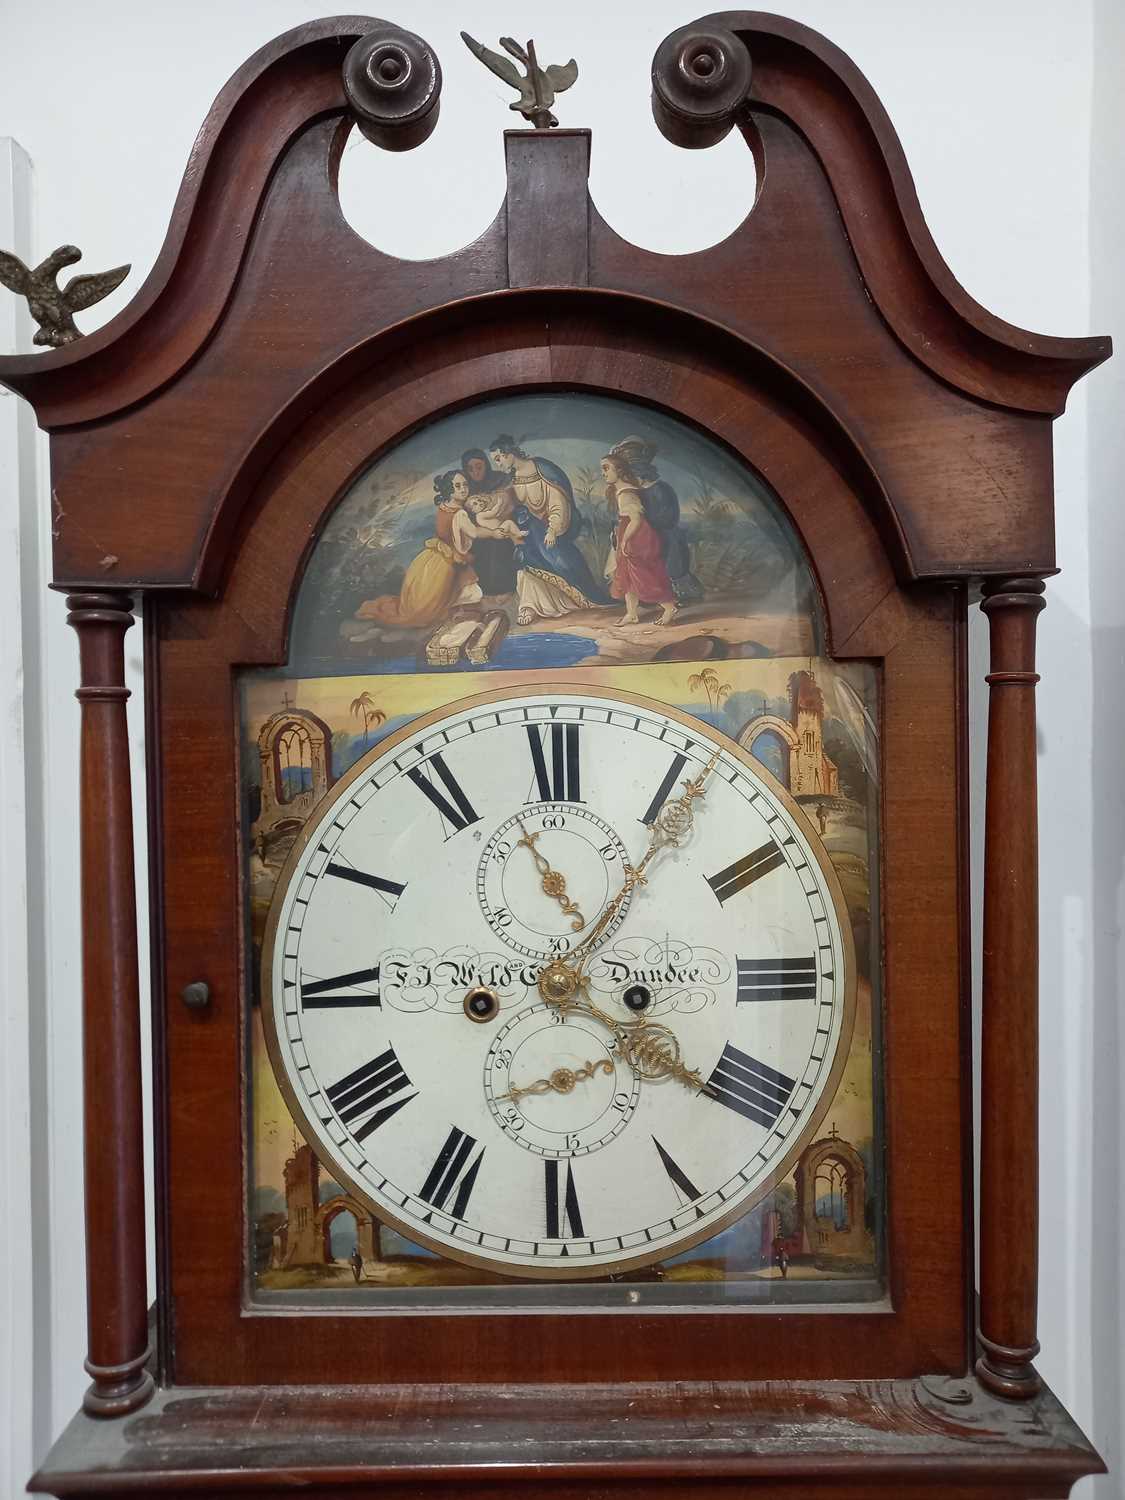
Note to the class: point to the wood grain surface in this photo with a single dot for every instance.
(113, 1124)
(888, 1438)
(1009, 1144)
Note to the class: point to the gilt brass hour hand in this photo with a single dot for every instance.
(652, 1051)
(551, 881)
(674, 822)
(650, 1048)
(561, 1081)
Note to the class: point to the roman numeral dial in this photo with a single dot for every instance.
(327, 994)
(438, 784)
(671, 776)
(777, 979)
(341, 869)
(449, 1182)
(457, 858)
(676, 1175)
(564, 1217)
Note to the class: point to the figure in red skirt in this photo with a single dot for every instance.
(636, 568)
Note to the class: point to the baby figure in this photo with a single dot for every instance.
(493, 515)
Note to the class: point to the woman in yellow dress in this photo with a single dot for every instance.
(442, 573)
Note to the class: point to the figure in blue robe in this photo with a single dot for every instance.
(553, 578)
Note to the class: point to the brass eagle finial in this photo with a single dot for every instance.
(537, 87)
(53, 307)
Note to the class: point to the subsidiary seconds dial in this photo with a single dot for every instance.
(569, 837)
(558, 1137)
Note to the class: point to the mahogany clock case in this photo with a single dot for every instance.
(198, 445)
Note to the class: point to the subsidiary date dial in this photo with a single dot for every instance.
(558, 1086)
(478, 846)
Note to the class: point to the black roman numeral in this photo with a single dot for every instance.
(745, 871)
(559, 780)
(664, 789)
(776, 979)
(680, 1178)
(562, 1211)
(749, 1087)
(453, 1170)
(458, 812)
(378, 1080)
(320, 994)
(378, 883)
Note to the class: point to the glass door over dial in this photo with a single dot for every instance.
(561, 836)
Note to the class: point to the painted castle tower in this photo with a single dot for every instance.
(810, 770)
(305, 1238)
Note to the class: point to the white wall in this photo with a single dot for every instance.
(19, 945)
(1106, 1029)
(1011, 116)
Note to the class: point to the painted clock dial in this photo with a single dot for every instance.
(459, 1097)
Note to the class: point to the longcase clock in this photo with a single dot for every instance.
(557, 733)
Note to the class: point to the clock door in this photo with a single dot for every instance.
(561, 833)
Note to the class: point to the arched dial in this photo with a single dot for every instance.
(557, 1139)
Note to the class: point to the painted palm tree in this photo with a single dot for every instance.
(711, 509)
(364, 708)
(708, 682)
(586, 481)
(597, 520)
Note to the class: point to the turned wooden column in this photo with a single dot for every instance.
(1009, 1144)
(116, 1297)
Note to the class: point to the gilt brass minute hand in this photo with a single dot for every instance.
(671, 826)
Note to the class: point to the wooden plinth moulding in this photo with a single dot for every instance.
(1009, 1232)
(114, 1159)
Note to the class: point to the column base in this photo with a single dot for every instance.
(118, 1389)
(1008, 1372)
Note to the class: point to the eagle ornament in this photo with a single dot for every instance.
(537, 87)
(53, 307)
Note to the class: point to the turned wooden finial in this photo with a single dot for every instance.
(700, 82)
(392, 80)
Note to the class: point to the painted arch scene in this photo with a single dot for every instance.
(552, 530)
